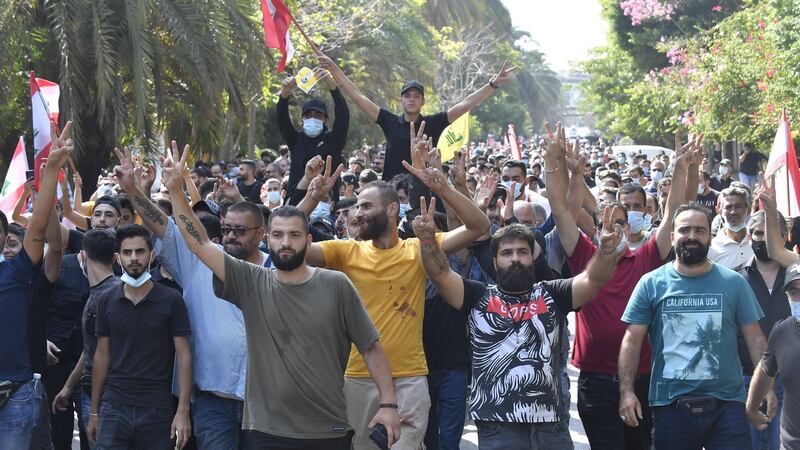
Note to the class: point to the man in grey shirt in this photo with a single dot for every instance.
(300, 322)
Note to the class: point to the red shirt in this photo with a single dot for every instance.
(599, 330)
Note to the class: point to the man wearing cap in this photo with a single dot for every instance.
(781, 358)
(315, 138)
(412, 97)
(723, 179)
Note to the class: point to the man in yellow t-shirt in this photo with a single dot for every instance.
(391, 281)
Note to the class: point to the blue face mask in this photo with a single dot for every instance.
(795, 307)
(517, 189)
(404, 207)
(636, 221)
(312, 127)
(657, 175)
(322, 211)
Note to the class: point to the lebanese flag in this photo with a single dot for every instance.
(44, 105)
(276, 20)
(14, 183)
(783, 166)
(513, 143)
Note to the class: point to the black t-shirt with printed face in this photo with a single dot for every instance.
(398, 141)
(781, 357)
(516, 347)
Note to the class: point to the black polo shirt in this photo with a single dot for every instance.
(775, 306)
(104, 288)
(750, 164)
(142, 350)
(398, 143)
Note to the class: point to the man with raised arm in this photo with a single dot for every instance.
(22, 393)
(598, 330)
(387, 273)
(412, 97)
(218, 334)
(516, 330)
(300, 324)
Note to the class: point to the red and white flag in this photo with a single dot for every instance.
(783, 166)
(276, 22)
(14, 183)
(516, 153)
(44, 105)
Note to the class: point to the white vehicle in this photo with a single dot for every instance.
(650, 151)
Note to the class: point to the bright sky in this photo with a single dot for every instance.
(565, 30)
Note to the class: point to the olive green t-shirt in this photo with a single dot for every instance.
(298, 342)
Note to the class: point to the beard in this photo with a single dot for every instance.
(516, 278)
(290, 262)
(137, 271)
(691, 256)
(373, 228)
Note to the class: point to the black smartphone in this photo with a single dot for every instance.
(379, 436)
(28, 174)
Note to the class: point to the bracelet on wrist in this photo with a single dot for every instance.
(388, 405)
(551, 171)
(91, 414)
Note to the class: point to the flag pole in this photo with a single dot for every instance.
(303, 32)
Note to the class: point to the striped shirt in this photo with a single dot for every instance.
(218, 342)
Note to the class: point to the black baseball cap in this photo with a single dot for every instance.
(110, 201)
(412, 84)
(315, 105)
(208, 206)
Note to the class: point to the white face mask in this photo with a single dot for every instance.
(622, 244)
(723, 170)
(657, 175)
(517, 189)
(636, 221)
(701, 188)
(135, 282)
(737, 228)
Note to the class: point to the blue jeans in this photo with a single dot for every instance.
(724, 428)
(86, 406)
(769, 439)
(448, 391)
(749, 180)
(217, 421)
(21, 415)
(523, 436)
(128, 426)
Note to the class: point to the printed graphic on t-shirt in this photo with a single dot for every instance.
(515, 348)
(692, 336)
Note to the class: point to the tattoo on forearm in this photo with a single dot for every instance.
(189, 225)
(435, 255)
(149, 210)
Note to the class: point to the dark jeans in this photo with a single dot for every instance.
(126, 426)
(523, 436)
(769, 439)
(62, 422)
(448, 391)
(216, 421)
(724, 428)
(256, 440)
(598, 407)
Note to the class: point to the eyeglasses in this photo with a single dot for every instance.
(239, 232)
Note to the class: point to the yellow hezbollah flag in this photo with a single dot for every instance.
(455, 136)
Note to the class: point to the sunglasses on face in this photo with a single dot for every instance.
(238, 232)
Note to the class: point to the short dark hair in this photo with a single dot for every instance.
(400, 181)
(248, 207)
(265, 212)
(598, 211)
(368, 176)
(3, 222)
(248, 162)
(630, 188)
(212, 225)
(513, 232)
(636, 169)
(125, 203)
(164, 205)
(692, 206)
(706, 176)
(16, 230)
(206, 187)
(99, 246)
(514, 163)
(288, 211)
(131, 231)
(386, 192)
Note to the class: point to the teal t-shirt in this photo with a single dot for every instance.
(693, 323)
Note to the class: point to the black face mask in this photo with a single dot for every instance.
(760, 250)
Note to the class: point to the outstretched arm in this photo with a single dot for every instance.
(189, 225)
(476, 98)
(775, 248)
(602, 265)
(350, 89)
(557, 185)
(676, 194)
(434, 260)
(55, 247)
(60, 151)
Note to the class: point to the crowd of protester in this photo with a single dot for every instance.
(305, 300)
